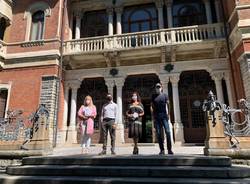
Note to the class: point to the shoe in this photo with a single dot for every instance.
(103, 152)
(170, 152)
(136, 151)
(113, 153)
(162, 152)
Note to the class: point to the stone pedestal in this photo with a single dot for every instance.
(215, 141)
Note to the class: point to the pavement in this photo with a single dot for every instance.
(127, 149)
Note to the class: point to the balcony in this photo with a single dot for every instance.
(182, 39)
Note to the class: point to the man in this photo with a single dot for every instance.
(160, 114)
(108, 122)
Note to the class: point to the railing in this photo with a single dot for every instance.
(236, 121)
(156, 38)
(16, 127)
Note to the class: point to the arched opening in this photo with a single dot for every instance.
(144, 85)
(3, 102)
(96, 88)
(188, 13)
(140, 18)
(3, 26)
(193, 89)
(37, 25)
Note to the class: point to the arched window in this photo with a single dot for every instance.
(36, 15)
(3, 102)
(94, 23)
(37, 26)
(3, 26)
(188, 13)
(140, 18)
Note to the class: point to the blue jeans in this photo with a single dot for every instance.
(162, 122)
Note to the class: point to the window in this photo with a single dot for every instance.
(3, 26)
(36, 15)
(94, 23)
(3, 102)
(37, 26)
(140, 18)
(188, 13)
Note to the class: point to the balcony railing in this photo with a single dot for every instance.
(191, 34)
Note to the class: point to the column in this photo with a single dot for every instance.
(208, 11)
(159, 5)
(110, 85)
(78, 15)
(119, 82)
(110, 20)
(118, 11)
(72, 133)
(229, 89)
(218, 10)
(217, 77)
(179, 134)
(66, 99)
(71, 27)
(165, 80)
(169, 4)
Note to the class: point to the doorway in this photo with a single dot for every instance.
(144, 85)
(193, 90)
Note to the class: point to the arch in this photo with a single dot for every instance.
(144, 85)
(193, 90)
(4, 99)
(38, 6)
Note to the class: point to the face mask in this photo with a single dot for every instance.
(134, 97)
(158, 90)
(87, 102)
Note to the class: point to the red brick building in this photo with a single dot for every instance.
(72, 46)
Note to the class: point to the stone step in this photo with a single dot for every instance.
(6, 179)
(140, 160)
(131, 171)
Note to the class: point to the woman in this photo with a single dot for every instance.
(86, 114)
(134, 113)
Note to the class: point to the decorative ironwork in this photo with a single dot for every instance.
(230, 118)
(16, 127)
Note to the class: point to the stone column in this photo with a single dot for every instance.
(208, 11)
(165, 80)
(217, 77)
(218, 10)
(169, 4)
(78, 15)
(179, 134)
(118, 11)
(119, 82)
(110, 85)
(65, 113)
(72, 133)
(229, 89)
(110, 21)
(159, 5)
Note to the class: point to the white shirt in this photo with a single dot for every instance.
(110, 110)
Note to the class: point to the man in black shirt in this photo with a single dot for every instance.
(161, 117)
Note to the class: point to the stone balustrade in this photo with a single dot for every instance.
(180, 35)
(2, 49)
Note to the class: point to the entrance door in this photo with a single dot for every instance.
(193, 90)
(96, 88)
(144, 85)
(3, 102)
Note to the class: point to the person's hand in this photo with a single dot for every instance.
(114, 126)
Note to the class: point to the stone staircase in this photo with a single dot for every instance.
(125, 170)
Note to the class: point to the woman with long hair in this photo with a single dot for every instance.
(134, 113)
(86, 115)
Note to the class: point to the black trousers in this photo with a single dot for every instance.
(107, 126)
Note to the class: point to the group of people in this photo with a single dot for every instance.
(160, 110)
